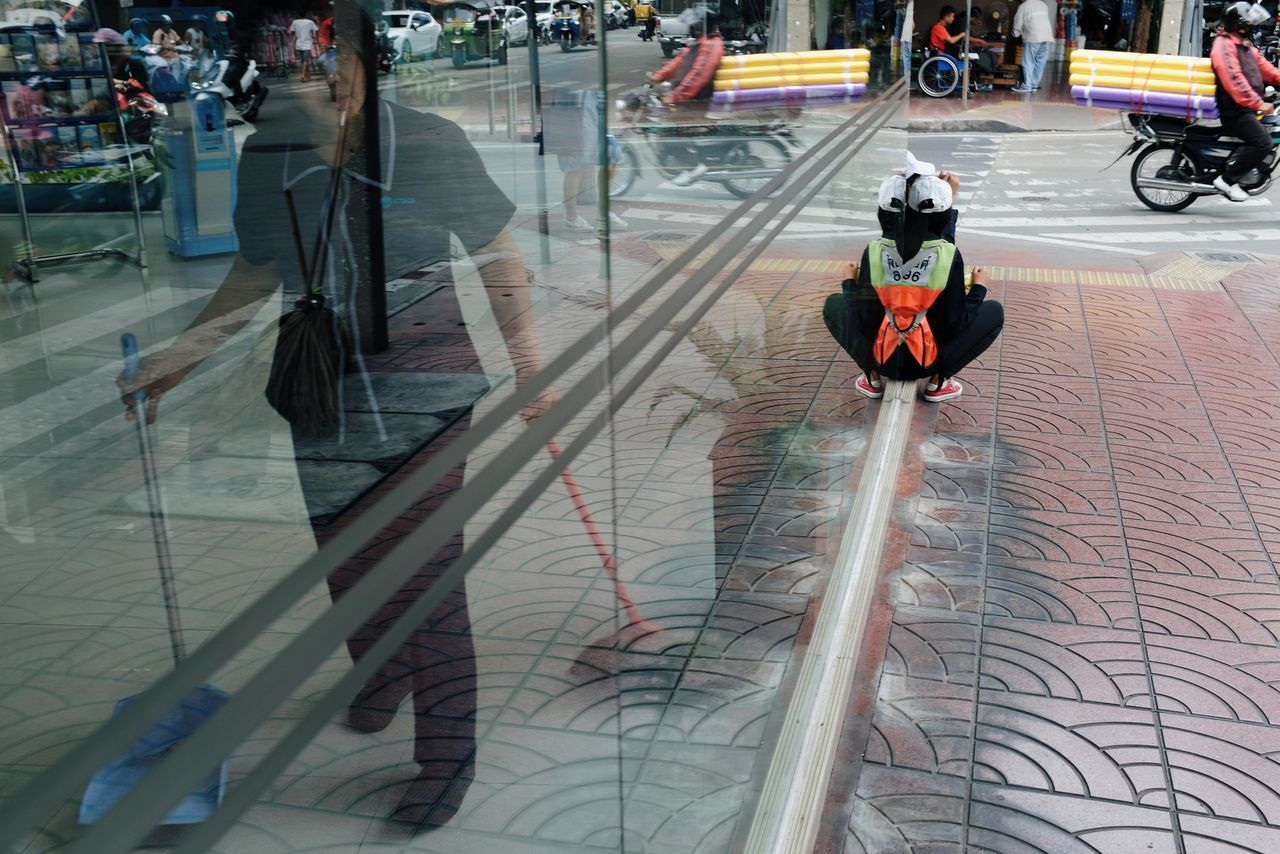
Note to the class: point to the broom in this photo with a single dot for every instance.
(637, 626)
(307, 365)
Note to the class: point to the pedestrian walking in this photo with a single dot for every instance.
(905, 314)
(1031, 24)
(304, 31)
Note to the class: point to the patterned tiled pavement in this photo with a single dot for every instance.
(1080, 617)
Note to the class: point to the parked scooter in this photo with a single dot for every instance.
(139, 109)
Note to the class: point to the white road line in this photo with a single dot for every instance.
(1074, 244)
(1199, 238)
(1153, 219)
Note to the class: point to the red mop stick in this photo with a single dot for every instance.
(633, 614)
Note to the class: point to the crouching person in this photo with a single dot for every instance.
(905, 314)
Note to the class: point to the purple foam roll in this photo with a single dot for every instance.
(729, 106)
(790, 93)
(1142, 97)
(1183, 112)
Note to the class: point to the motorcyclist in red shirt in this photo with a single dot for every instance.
(1242, 74)
(694, 66)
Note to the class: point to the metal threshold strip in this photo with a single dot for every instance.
(133, 818)
(795, 788)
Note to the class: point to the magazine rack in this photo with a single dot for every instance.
(59, 111)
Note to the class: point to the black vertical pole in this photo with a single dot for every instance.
(535, 118)
(366, 262)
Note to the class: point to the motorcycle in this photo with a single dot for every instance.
(388, 56)
(1179, 160)
(565, 26)
(235, 78)
(139, 109)
(616, 18)
(648, 28)
(742, 158)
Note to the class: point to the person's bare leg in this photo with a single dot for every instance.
(572, 186)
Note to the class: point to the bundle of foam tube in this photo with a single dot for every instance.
(793, 79)
(1181, 86)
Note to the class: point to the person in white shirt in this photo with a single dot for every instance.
(304, 31)
(1032, 25)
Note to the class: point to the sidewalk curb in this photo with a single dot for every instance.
(963, 125)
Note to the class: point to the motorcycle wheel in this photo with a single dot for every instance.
(754, 153)
(624, 177)
(1155, 159)
(502, 55)
(668, 51)
(459, 56)
(565, 44)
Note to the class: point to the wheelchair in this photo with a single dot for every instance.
(940, 74)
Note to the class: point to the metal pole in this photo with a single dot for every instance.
(968, 17)
(511, 105)
(133, 172)
(535, 113)
(602, 138)
(489, 71)
(364, 200)
(33, 274)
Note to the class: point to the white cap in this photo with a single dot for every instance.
(918, 167)
(893, 194)
(930, 194)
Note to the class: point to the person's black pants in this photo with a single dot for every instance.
(1257, 144)
(968, 344)
(971, 341)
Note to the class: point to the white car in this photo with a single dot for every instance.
(515, 21)
(416, 35)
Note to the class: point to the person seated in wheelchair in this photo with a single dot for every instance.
(943, 41)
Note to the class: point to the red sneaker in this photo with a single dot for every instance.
(867, 388)
(948, 390)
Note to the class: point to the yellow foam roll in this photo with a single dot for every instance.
(773, 70)
(1112, 57)
(788, 80)
(816, 56)
(1110, 82)
(1179, 75)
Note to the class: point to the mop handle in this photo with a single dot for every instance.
(150, 476)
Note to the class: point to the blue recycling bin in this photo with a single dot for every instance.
(198, 157)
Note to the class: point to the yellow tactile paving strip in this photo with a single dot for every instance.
(1187, 274)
